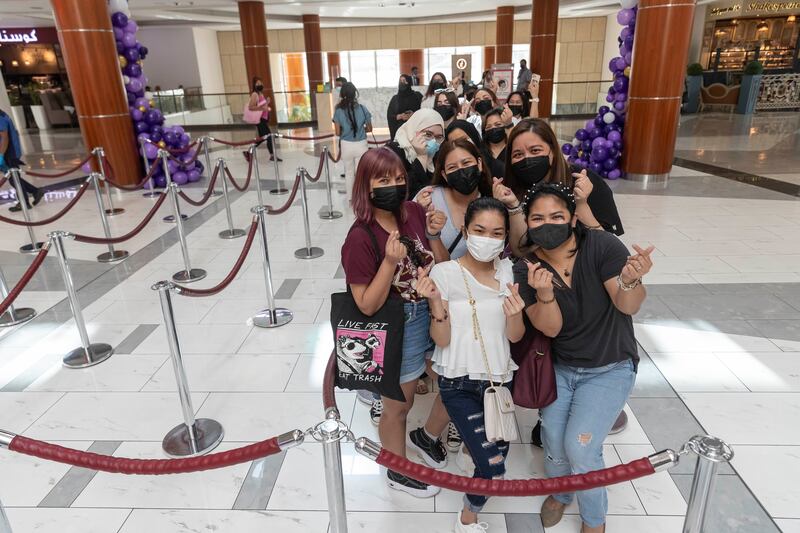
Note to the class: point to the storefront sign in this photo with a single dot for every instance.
(23, 36)
(29, 37)
(727, 10)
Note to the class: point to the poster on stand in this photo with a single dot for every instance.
(503, 75)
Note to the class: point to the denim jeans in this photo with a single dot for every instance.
(416, 340)
(463, 399)
(575, 426)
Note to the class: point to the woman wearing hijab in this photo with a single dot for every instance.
(416, 142)
(402, 105)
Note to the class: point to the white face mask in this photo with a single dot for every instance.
(484, 249)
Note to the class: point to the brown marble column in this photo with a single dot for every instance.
(313, 40)
(504, 37)
(413, 58)
(663, 31)
(256, 49)
(90, 55)
(488, 57)
(334, 66)
(544, 25)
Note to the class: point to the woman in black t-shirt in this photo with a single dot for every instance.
(580, 288)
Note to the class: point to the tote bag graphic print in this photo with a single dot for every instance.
(360, 353)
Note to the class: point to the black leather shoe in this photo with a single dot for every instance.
(37, 196)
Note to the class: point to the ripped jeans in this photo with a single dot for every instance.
(463, 399)
(576, 424)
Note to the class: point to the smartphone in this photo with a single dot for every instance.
(536, 77)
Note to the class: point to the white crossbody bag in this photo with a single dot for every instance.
(498, 404)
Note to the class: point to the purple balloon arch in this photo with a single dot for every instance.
(598, 145)
(146, 119)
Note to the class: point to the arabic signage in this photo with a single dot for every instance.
(23, 36)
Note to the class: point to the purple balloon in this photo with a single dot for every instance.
(161, 181)
(628, 40)
(186, 139)
(628, 59)
(143, 51)
(135, 85)
(614, 136)
(582, 163)
(566, 149)
(136, 115)
(173, 166)
(121, 48)
(141, 126)
(619, 106)
(152, 116)
(610, 163)
(193, 175)
(614, 174)
(588, 125)
(134, 70)
(621, 97)
(613, 152)
(599, 154)
(131, 26)
(597, 142)
(618, 145)
(586, 145)
(623, 50)
(625, 16)
(150, 150)
(131, 98)
(581, 134)
(120, 19)
(596, 167)
(180, 178)
(595, 133)
(621, 63)
(131, 54)
(625, 33)
(621, 84)
(142, 102)
(169, 137)
(129, 40)
(86, 167)
(118, 33)
(609, 98)
(603, 110)
(155, 136)
(189, 166)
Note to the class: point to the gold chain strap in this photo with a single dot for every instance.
(476, 327)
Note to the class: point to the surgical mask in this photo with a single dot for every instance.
(464, 180)
(483, 107)
(432, 147)
(516, 110)
(446, 111)
(388, 198)
(531, 170)
(495, 135)
(484, 249)
(550, 236)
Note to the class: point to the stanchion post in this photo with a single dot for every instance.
(231, 232)
(163, 155)
(328, 213)
(195, 436)
(254, 159)
(331, 433)
(15, 175)
(5, 525)
(188, 274)
(111, 255)
(100, 154)
(13, 316)
(88, 354)
(271, 317)
(206, 140)
(710, 451)
(279, 188)
(152, 193)
(307, 252)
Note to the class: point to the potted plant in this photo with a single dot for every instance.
(751, 83)
(17, 111)
(694, 82)
(39, 115)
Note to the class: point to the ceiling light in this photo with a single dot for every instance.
(27, 63)
(762, 26)
(791, 18)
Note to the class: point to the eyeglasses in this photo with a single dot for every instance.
(447, 90)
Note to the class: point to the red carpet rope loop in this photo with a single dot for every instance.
(209, 191)
(112, 180)
(131, 234)
(26, 277)
(246, 182)
(289, 201)
(60, 174)
(44, 222)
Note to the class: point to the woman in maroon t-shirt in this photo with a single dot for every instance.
(408, 239)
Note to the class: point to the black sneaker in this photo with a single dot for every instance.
(413, 487)
(536, 434)
(37, 196)
(16, 208)
(431, 451)
(453, 438)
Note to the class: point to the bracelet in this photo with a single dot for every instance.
(515, 210)
(433, 236)
(439, 320)
(628, 287)
(599, 226)
(545, 302)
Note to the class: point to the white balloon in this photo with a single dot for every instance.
(609, 118)
(575, 141)
(126, 80)
(118, 5)
(628, 4)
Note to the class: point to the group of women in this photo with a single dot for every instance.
(485, 232)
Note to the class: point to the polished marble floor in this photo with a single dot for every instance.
(719, 338)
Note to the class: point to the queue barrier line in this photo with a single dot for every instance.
(36, 223)
(206, 195)
(131, 234)
(244, 187)
(25, 279)
(48, 175)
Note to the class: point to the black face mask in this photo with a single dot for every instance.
(403, 88)
(464, 180)
(531, 170)
(469, 96)
(259, 88)
(435, 85)
(495, 135)
(388, 198)
(446, 111)
(484, 106)
(516, 110)
(550, 236)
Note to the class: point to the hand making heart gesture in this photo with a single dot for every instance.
(637, 265)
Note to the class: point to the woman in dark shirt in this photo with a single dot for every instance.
(402, 105)
(494, 137)
(581, 288)
(416, 143)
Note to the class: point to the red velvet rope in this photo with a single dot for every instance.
(516, 487)
(319, 170)
(3, 180)
(222, 285)
(154, 467)
(328, 383)
(206, 195)
(131, 234)
(289, 201)
(181, 161)
(60, 174)
(26, 277)
(240, 143)
(53, 218)
(247, 181)
(112, 180)
(337, 158)
(171, 151)
(297, 138)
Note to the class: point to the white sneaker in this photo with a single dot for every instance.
(464, 461)
(480, 527)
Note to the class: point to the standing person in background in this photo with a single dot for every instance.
(259, 102)
(524, 76)
(10, 153)
(351, 121)
(402, 105)
(414, 76)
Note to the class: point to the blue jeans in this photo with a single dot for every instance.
(416, 340)
(576, 424)
(463, 399)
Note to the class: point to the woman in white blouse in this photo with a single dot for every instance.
(476, 311)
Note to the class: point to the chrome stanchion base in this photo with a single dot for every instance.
(31, 248)
(309, 253)
(21, 315)
(279, 191)
(171, 218)
(178, 443)
(215, 192)
(98, 352)
(108, 257)
(232, 233)
(195, 274)
(324, 214)
(115, 211)
(151, 194)
(272, 318)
